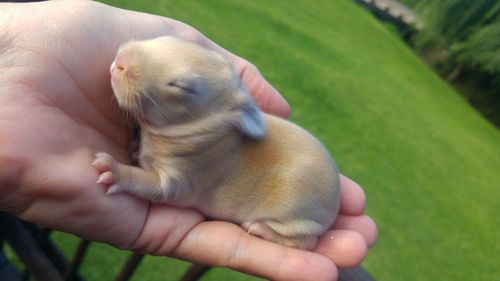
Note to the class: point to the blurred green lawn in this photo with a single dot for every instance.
(429, 163)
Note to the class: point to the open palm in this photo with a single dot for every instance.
(56, 111)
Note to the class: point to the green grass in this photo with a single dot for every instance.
(428, 162)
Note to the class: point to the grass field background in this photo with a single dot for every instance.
(429, 163)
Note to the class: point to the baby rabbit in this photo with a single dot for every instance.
(205, 144)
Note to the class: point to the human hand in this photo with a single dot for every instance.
(56, 111)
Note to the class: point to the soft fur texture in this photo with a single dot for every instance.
(205, 144)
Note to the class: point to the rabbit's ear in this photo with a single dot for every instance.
(250, 120)
(251, 123)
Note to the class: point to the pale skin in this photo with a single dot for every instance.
(56, 110)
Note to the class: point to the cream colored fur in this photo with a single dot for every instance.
(205, 144)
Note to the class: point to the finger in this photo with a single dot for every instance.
(346, 248)
(266, 96)
(363, 224)
(352, 197)
(224, 244)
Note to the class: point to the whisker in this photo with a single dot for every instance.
(152, 98)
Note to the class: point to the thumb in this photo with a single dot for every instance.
(264, 94)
